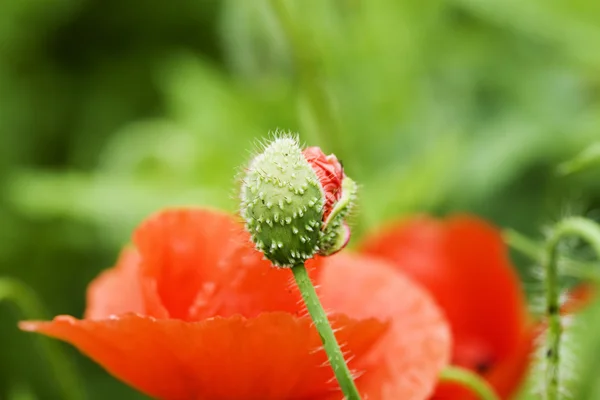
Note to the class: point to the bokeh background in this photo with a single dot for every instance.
(110, 110)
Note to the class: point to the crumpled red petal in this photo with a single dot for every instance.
(272, 356)
(198, 263)
(330, 174)
(406, 361)
(464, 264)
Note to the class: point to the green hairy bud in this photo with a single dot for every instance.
(295, 202)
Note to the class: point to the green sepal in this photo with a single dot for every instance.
(335, 230)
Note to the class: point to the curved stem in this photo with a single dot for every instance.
(523, 244)
(535, 251)
(589, 157)
(469, 379)
(332, 348)
(589, 232)
(26, 301)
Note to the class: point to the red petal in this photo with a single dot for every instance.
(504, 376)
(117, 290)
(330, 174)
(464, 265)
(406, 362)
(272, 356)
(508, 374)
(200, 263)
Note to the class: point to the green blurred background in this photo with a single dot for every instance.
(112, 109)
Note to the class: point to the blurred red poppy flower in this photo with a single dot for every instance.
(464, 264)
(193, 312)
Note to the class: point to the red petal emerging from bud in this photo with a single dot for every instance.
(330, 174)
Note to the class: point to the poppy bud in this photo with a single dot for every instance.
(295, 202)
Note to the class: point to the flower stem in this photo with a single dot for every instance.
(523, 244)
(29, 305)
(535, 251)
(590, 232)
(332, 348)
(469, 379)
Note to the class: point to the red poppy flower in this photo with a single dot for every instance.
(464, 264)
(193, 312)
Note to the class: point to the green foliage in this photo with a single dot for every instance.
(111, 110)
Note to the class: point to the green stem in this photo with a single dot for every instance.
(589, 232)
(469, 379)
(590, 157)
(64, 372)
(523, 244)
(581, 270)
(334, 353)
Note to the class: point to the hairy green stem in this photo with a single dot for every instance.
(581, 270)
(27, 302)
(332, 348)
(469, 379)
(588, 231)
